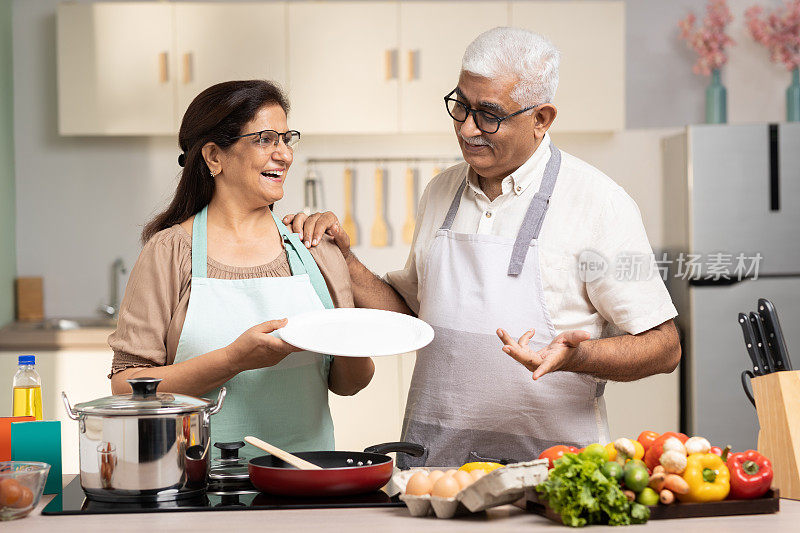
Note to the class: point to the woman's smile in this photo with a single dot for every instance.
(275, 175)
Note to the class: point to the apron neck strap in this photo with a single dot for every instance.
(301, 262)
(199, 244)
(451, 213)
(534, 217)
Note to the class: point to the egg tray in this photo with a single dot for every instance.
(499, 487)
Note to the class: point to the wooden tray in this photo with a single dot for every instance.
(769, 503)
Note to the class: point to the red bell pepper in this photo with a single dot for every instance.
(555, 452)
(751, 475)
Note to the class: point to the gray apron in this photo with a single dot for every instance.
(468, 400)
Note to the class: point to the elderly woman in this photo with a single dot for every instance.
(219, 273)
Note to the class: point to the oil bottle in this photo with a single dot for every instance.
(27, 388)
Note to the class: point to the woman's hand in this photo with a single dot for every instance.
(312, 227)
(256, 348)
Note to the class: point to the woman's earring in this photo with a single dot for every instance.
(213, 174)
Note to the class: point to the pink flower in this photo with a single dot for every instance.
(710, 39)
(779, 31)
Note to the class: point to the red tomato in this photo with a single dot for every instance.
(716, 450)
(555, 452)
(646, 439)
(653, 454)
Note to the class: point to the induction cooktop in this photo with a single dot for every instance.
(73, 501)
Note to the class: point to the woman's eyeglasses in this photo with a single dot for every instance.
(271, 138)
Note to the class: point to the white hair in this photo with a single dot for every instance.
(530, 57)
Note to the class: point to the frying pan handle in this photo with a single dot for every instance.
(414, 450)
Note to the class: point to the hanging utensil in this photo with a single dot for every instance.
(310, 187)
(349, 223)
(411, 201)
(380, 229)
(293, 460)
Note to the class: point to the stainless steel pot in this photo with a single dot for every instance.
(144, 446)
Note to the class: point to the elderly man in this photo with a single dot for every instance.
(500, 242)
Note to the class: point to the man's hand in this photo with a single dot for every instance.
(312, 227)
(550, 358)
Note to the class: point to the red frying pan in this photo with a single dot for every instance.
(342, 473)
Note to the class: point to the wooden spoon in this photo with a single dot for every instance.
(293, 460)
(411, 201)
(380, 230)
(349, 223)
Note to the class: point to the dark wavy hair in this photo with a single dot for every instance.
(215, 115)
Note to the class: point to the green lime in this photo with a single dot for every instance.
(612, 470)
(647, 497)
(636, 478)
(595, 452)
(634, 462)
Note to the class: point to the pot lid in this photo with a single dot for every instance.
(143, 400)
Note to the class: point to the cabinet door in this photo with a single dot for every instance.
(591, 39)
(343, 67)
(113, 69)
(223, 42)
(430, 64)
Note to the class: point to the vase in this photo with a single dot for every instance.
(716, 100)
(793, 98)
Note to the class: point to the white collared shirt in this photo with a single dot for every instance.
(590, 221)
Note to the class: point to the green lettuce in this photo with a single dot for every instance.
(578, 491)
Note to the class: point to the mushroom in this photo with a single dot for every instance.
(697, 445)
(674, 462)
(625, 449)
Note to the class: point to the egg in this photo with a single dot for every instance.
(446, 487)
(25, 498)
(10, 492)
(435, 475)
(463, 478)
(477, 474)
(419, 485)
(450, 472)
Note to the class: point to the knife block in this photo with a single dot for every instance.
(777, 398)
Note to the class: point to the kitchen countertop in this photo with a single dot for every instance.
(505, 518)
(30, 335)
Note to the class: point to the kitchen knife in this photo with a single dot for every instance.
(774, 334)
(761, 346)
(749, 341)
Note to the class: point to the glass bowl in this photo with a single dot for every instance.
(21, 486)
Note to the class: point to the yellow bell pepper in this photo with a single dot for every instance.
(708, 478)
(485, 466)
(612, 452)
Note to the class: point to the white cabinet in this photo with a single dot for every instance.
(343, 67)
(222, 42)
(133, 68)
(114, 75)
(591, 38)
(433, 37)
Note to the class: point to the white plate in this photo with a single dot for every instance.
(356, 332)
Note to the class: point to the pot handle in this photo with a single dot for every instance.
(70, 411)
(410, 448)
(218, 404)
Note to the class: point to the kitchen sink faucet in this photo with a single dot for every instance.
(111, 310)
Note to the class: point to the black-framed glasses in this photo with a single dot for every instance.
(272, 138)
(486, 121)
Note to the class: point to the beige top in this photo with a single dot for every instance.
(157, 296)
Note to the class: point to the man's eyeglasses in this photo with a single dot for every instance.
(271, 138)
(486, 121)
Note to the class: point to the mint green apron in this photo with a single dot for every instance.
(286, 404)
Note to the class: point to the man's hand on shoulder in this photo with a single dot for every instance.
(553, 357)
(312, 227)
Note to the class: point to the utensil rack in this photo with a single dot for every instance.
(777, 398)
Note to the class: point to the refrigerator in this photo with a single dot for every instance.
(731, 199)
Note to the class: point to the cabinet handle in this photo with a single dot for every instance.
(390, 64)
(187, 67)
(163, 67)
(413, 58)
